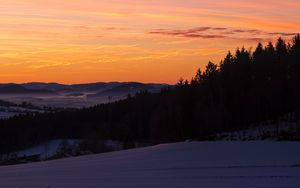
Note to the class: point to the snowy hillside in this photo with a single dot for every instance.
(190, 164)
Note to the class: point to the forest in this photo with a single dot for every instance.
(244, 89)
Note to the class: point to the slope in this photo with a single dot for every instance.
(188, 164)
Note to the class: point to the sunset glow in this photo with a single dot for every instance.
(131, 40)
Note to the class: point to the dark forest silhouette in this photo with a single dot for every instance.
(244, 89)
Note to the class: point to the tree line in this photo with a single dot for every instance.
(245, 88)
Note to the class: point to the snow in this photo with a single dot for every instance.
(7, 112)
(45, 150)
(6, 115)
(257, 164)
(265, 131)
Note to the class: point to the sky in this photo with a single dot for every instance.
(157, 41)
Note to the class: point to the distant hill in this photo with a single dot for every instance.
(44, 86)
(128, 88)
(19, 89)
(72, 95)
(94, 88)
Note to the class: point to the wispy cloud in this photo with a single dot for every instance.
(220, 32)
(198, 32)
(283, 34)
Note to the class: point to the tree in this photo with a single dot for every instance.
(211, 70)
(242, 56)
(270, 53)
(281, 50)
(228, 60)
(180, 82)
(259, 54)
(198, 77)
(295, 49)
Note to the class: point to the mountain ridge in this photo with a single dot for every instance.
(56, 88)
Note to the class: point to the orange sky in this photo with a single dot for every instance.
(131, 40)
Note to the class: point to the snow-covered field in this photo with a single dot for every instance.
(259, 164)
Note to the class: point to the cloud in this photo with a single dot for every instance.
(257, 39)
(254, 31)
(197, 32)
(220, 32)
(219, 28)
(283, 34)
